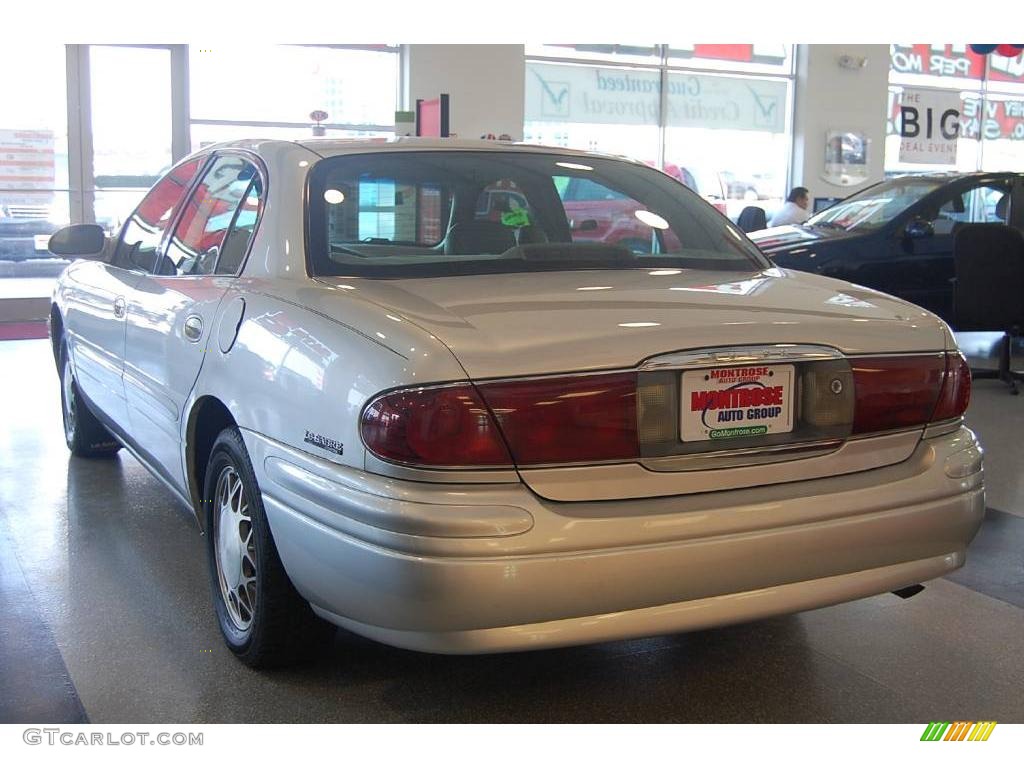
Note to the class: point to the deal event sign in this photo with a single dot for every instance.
(928, 126)
(583, 94)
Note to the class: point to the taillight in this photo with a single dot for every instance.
(567, 419)
(956, 391)
(447, 426)
(908, 391)
(556, 420)
(594, 418)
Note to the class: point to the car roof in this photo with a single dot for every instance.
(331, 147)
(953, 175)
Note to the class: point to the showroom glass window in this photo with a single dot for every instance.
(129, 86)
(271, 90)
(34, 184)
(715, 117)
(990, 90)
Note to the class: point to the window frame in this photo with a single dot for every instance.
(213, 156)
(986, 88)
(210, 158)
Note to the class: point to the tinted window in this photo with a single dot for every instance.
(986, 203)
(598, 213)
(221, 198)
(142, 234)
(588, 189)
(509, 212)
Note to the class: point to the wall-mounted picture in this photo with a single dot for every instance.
(846, 158)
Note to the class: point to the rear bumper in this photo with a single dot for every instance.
(483, 568)
(682, 616)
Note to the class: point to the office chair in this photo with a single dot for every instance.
(988, 291)
(752, 218)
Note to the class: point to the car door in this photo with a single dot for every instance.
(171, 309)
(97, 302)
(923, 268)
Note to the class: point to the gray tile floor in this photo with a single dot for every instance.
(102, 565)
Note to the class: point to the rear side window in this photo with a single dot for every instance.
(225, 198)
(144, 231)
(240, 235)
(985, 204)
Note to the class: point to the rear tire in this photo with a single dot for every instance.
(264, 620)
(85, 435)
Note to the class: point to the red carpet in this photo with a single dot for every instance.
(13, 331)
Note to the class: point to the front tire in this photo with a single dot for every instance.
(264, 620)
(85, 435)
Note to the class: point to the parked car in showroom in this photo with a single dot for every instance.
(897, 236)
(464, 435)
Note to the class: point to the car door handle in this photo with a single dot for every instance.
(193, 327)
(119, 307)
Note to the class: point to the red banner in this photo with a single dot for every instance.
(955, 60)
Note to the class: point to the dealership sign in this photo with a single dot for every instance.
(27, 159)
(990, 120)
(590, 94)
(928, 126)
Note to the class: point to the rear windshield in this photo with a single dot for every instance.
(423, 214)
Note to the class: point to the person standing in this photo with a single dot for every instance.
(795, 210)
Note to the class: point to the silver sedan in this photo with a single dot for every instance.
(467, 397)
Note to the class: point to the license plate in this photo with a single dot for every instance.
(41, 242)
(742, 401)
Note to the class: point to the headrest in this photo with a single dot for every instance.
(1002, 205)
(479, 237)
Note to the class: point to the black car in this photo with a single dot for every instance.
(897, 236)
(24, 231)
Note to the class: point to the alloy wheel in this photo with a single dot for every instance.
(235, 548)
(70, 406)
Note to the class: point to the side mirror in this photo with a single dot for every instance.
(918, 229)
(81, 241)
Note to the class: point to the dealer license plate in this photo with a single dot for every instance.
(743, 401)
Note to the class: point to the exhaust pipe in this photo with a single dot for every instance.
(908, 592)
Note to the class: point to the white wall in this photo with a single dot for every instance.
(829, 97)
(485, 82)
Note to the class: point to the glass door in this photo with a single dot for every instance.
(131, 103)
